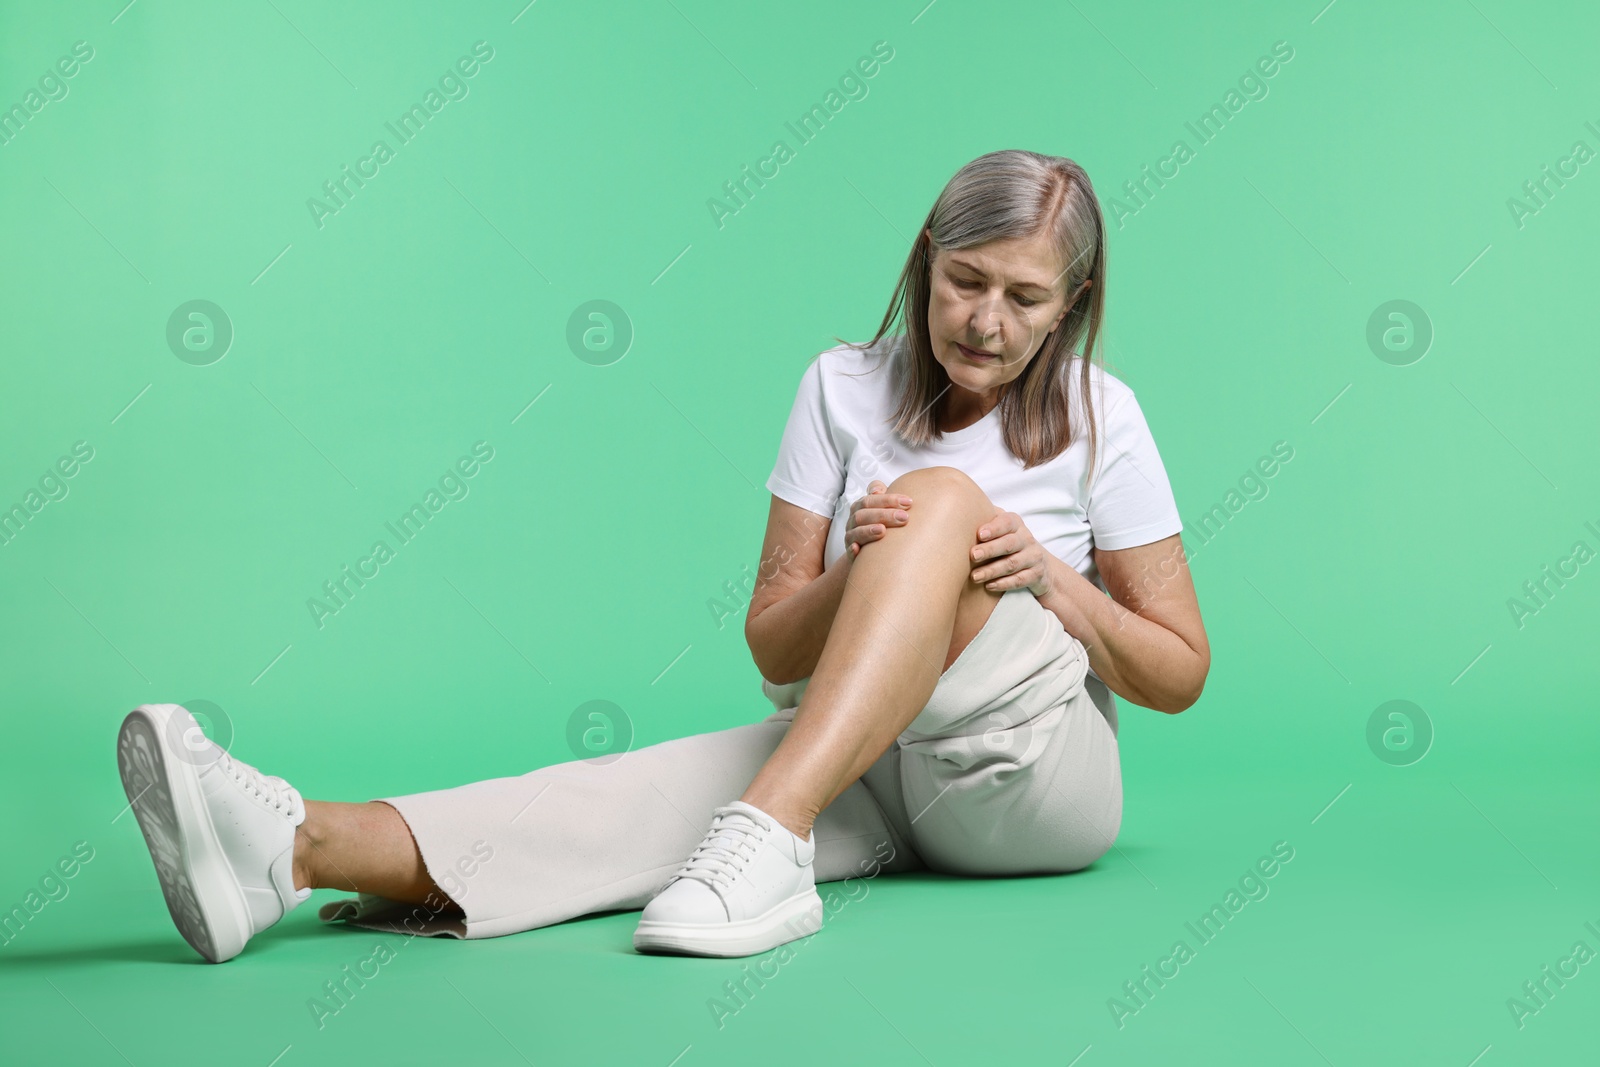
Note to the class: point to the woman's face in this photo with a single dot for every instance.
(990, 308)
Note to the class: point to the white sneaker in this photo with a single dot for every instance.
(220, 832)
(747, 888)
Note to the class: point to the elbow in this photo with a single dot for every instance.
(777, 674)
(1178, 706)
(778, 677)
(770, 669)
(1185, 697)
(1178, 703)
(761, 654)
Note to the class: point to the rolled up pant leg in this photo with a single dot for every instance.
(529, 850)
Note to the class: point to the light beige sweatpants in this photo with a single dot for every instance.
(1011, 768)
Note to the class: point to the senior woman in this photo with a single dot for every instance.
(971, 546)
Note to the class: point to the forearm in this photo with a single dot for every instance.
(786, 637)
(1137, 659)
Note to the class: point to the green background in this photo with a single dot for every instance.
(370, 353)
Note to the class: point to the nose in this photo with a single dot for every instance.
(987, 322)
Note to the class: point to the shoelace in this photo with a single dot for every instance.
(268, 787)
(731, 842)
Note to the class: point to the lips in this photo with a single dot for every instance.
(976, 356)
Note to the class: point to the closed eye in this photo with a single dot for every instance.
(968, 283)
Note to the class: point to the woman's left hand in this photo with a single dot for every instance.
(1007, 557)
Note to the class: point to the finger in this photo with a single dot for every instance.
(1022, 576)
(882, 517)
(995, 547)
(1012, 581)
(878, 495)
(1002, 523)
(863, 534)
(998, 568)
(874, 507)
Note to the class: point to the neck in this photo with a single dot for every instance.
(962, 407)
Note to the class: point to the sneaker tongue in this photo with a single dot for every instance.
(728, 838)
(730, 831)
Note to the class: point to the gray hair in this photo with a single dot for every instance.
(1006, 194)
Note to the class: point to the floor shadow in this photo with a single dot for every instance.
(173, 950)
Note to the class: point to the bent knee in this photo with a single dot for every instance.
(944, 486)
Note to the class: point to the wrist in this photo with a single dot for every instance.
(1064, 599)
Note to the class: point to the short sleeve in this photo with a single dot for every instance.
(809, 471)
(1130, 499)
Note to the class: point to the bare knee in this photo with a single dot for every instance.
(947, 491)
(938, 478)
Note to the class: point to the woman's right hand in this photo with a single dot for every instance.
(873, 514)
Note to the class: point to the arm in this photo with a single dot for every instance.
(795, 598)
(1145, 640)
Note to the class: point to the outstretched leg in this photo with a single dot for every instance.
(908, 610)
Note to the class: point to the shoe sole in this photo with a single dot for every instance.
(164, 791)
(797, 917)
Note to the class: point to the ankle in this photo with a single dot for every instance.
(307, 842)
(797, 820)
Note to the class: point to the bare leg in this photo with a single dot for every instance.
(908, 611)
(364, 848)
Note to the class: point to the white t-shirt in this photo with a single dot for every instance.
(839, 438)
